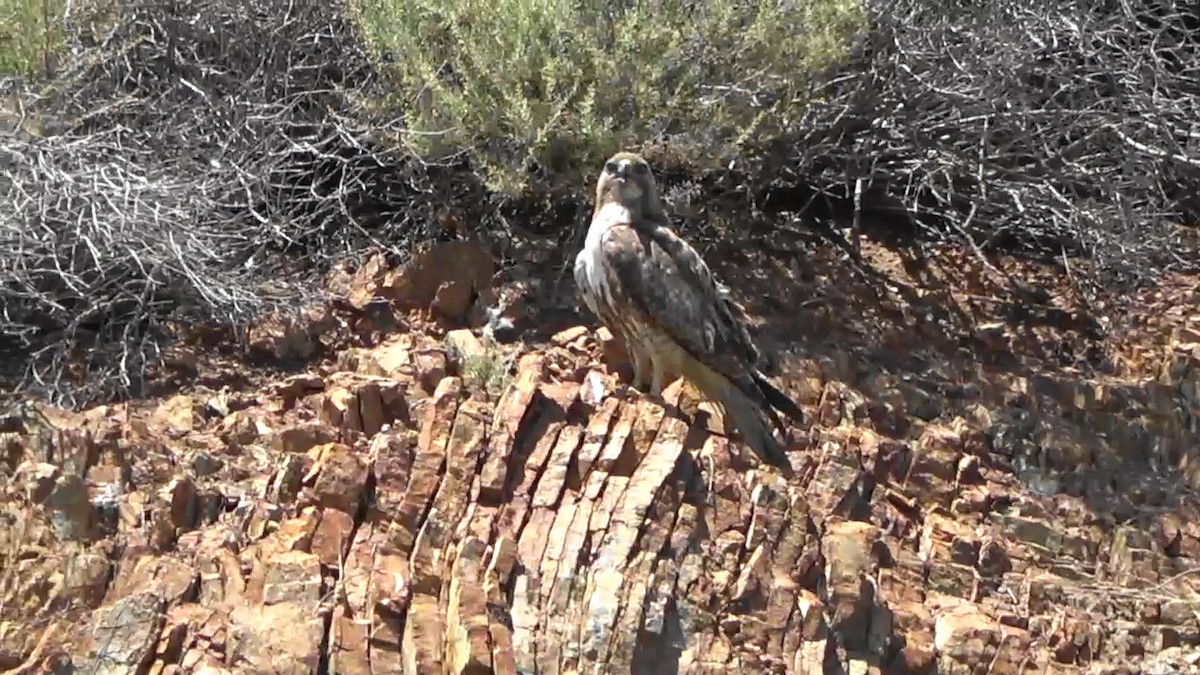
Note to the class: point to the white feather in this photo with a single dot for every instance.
(588, 265)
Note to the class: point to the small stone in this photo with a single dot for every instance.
(302, 437)
(177, 415)
(569, 335)
(180, 493)
(293, 577)
(445, 274)
(431, 369)
(342, 478)
(464, 343)
(993, 559)
(71, 509)
(205, 464)
(332, 537)
(278, 638)
(390, 359)
(125, 633)
(38, 479)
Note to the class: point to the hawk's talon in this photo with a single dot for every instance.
(633, 392)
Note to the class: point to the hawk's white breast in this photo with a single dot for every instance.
(589, 264)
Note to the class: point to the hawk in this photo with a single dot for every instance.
(655, 291)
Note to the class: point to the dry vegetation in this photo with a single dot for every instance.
(202, 162)
(254, 242)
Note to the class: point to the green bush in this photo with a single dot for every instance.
(30, 35)
(32, 32)
(567, 82)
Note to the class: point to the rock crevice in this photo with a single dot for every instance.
(392, 514)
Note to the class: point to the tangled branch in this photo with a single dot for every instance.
(206, 160)
(201, 162)
(1064, 129)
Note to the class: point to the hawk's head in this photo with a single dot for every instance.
(626, 179)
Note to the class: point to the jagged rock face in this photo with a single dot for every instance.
(390, 514)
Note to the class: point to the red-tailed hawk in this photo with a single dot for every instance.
(654, 290)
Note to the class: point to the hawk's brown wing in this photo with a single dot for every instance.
(695, 272)
(729, 315)
(669, 286)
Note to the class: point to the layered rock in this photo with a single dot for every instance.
(391, 514)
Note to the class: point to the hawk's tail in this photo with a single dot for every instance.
(744, 406)
(747, 416)
(776, 398)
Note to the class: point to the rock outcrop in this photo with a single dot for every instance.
(391, 511)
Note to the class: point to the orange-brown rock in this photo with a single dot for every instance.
(362, 405)
(287, 337)
(955, 509)
(278, 638)
(442, 279)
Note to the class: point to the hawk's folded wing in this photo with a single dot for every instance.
(670, 288)
(670, 283)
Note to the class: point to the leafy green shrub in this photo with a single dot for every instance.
(30, 34)
(33, 32)
(567, 82)
(484, 367)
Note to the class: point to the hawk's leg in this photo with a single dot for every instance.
(641, 371)
(659, 381)
(712, 471)
(656, 376)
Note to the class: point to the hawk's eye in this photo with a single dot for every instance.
(610, 167)
(641, 169)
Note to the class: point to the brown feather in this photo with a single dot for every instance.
(653, 289)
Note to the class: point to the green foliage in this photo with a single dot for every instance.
(32, 32)
(30, 35)
(488, 370)
(484, 366)
(567, 82)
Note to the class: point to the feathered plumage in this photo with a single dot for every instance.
(654, 290)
